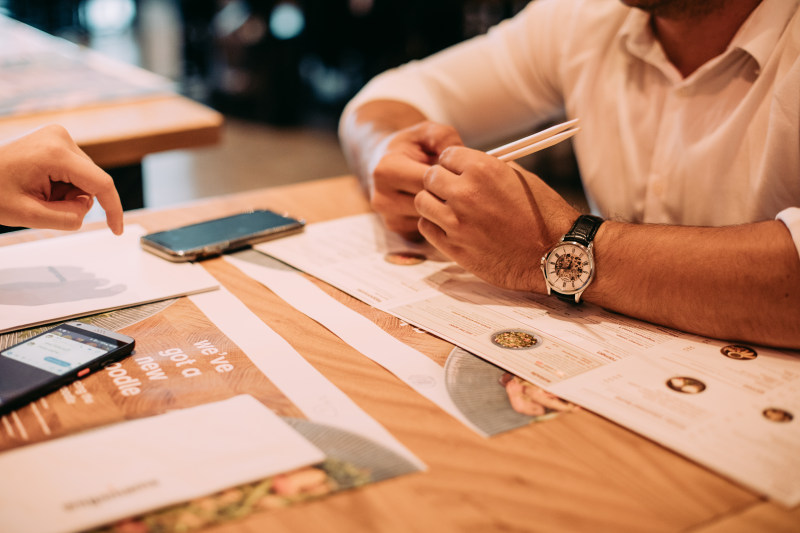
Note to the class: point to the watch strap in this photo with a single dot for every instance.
(584, 229)
(569, 298)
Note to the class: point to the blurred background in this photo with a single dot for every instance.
(281, 72)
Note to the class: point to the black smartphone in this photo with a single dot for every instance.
(47, 361)
(214, 237)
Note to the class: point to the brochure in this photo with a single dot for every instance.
(710, 400)
(191, 351)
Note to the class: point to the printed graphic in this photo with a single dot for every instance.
(777, 415)
(738, 351)
(495, 400)
(182, 359)
(405, 258)
(515, 339)
(686, 385)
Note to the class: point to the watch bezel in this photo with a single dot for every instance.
(569, 292)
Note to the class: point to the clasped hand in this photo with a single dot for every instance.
(495, 219)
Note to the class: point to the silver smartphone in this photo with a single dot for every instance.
(44, 363)
(220, 235)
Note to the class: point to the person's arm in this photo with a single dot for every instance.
(734, 283)
(393, 129)
(47, 181)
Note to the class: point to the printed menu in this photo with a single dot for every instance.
(713, 401)
(191, 353)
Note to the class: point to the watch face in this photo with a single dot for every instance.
(568, 267)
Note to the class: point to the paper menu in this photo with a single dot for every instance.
(207, 348)
(83, 273)
(91, 478)
(693, 394)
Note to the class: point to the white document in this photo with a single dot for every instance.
(733, 408)
(83, 273)
(92, 478)
(319, 399)
(410, 365)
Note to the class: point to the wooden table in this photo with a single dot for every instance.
(577, 472)
(117, 134)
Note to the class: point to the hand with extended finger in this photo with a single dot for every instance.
(494, 219)
(47, 181)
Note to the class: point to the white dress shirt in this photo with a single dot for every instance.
(719, 147)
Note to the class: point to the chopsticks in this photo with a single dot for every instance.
(537, 141)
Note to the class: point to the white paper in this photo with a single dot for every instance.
(411, 366)
(319, 399)
(97, 476)
(744, 423)
(83, 273)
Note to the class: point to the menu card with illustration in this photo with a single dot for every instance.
(207, 365)
(714, 401)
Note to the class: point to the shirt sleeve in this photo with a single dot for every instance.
(491, 86)
(791, 217)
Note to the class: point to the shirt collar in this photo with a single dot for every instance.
(757, 37)
(761, 31)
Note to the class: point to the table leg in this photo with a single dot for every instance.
(130, 185)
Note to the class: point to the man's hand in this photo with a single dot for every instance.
(397, 169)
(494, 219)
(47, 181)
(390, 145)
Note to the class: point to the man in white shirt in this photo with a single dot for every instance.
(689, 150)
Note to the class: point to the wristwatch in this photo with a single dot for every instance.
(568, 267)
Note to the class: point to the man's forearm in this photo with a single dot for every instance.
(733, 283)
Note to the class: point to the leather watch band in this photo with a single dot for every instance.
(584, 229)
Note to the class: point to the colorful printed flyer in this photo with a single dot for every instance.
(190, 352)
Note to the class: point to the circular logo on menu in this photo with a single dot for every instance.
(686, 385)
(777, 415)
(515, 339)
(738, 351)
(404, 258)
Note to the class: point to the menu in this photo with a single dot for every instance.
(713, 401)
(262, 427)
(482, 396)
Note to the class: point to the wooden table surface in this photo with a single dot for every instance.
(116, 131)
(121, 133)
(577, 472)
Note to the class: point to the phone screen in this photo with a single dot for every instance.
(219, 235)
(59, 351)
(44, 362)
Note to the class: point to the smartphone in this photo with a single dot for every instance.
(214, 237)
(44, 363)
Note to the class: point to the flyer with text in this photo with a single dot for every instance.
(193, 353)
